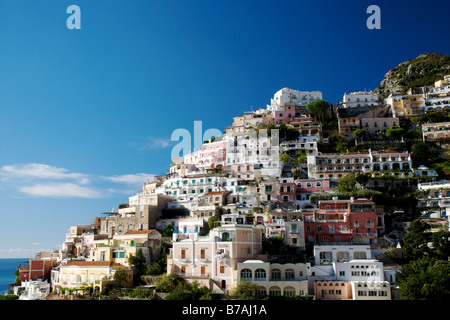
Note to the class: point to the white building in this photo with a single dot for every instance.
(286, 95)
(328, 254)
(360, 99)
(275, 279)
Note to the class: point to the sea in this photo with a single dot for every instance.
(7, 269)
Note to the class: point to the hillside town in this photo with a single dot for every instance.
(301, 199)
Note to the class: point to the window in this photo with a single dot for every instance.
(222, 269)
(274, 291)
(342, 256)
(325, 257)
(359, 255)
(246, 274)
(260, 274)
(289, 291)
(276, 274)
(289, 274)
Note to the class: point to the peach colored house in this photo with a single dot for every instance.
(212, 260)
(332, 290)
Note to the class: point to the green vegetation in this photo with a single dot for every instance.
(318, 109)
(421, 71)
(158, 267)
(9, 297)
(138, 264)
(426, 274)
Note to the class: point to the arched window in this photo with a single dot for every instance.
(246, 274)
(276, 274)
(262, 291)
(289, 274)
(274, 291)
(260, 274)
(289, 291)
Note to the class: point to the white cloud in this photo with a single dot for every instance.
(137, 179)
(40, 171)
(61, 190)
(151, 143)
(42, 180)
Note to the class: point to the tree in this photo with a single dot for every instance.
(395, 132)
(167, 231)
(138, 264)
(415, 242)
(301, 159)
(347, 183)
(422, 153)
(318, 109)
(17, 272)
(168, 282)
(360, 134)
(285, 158)
(120, 278)
(424, 279)
(362, 179)
(246, 290)
(211, 222)
(158, 267)
(186, 291)
(441, 244)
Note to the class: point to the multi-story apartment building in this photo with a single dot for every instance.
(406, 106)
(286, 189)
(342, 220)
(143, 211)
(360, 99)
(374, 125)
(121, 246)
(297, 97)
(37, 269)
(268, 190)
(329, 254)
(275, 279)
(306, 187)
(435, 196)
(212, 154)
(95, 274)
(260, 151)
(213, 259)
(336, 166)
(436, 132)
(438, 98)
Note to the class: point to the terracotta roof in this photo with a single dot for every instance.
(140, 231)
(91, 264)
(217, 192)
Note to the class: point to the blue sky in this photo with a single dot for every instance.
(87, 115)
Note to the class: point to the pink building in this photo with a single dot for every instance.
(314, 185)
(212, 260)
(210, 155)
(342, 220)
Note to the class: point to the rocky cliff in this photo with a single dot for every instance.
(421, 71)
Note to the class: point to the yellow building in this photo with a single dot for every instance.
(406, 106)
(122, 246)
(79, 275)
